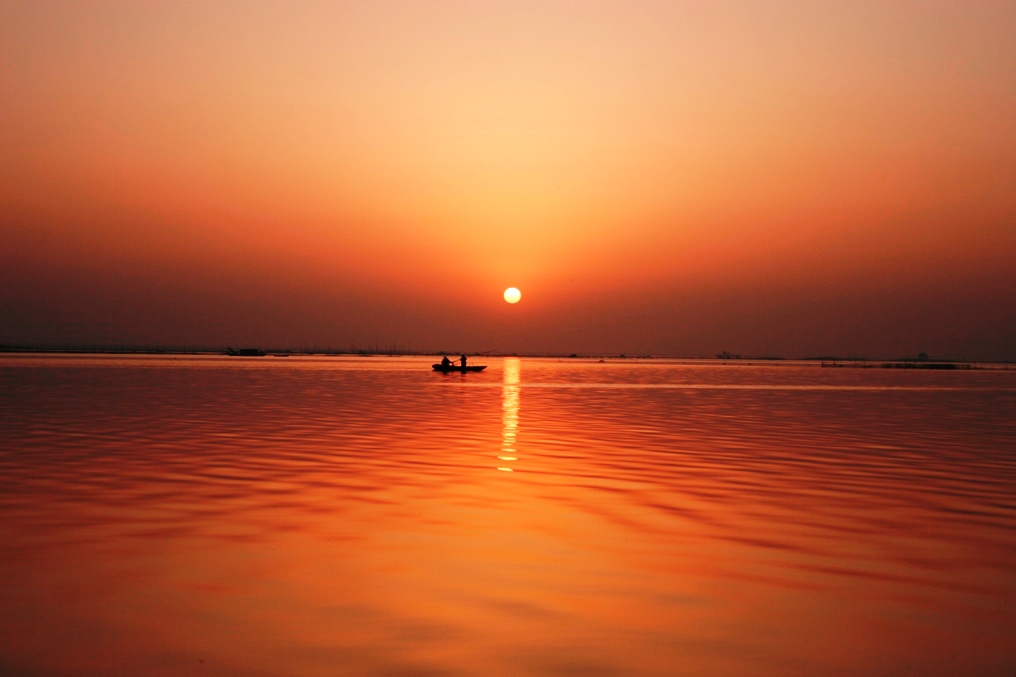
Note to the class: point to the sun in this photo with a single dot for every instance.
(512, 295)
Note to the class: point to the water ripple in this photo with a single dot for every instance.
(366, 502)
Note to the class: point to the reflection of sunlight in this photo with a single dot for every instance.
(509, 411)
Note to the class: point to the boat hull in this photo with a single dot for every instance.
(454, 368)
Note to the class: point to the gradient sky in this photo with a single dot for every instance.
(668, 178)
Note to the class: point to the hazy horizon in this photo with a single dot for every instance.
(921, 360)
(770, 179)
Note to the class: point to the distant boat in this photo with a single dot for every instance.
(446, 368)
(245, 352)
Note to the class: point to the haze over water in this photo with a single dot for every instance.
(787, 178)
(321, 516)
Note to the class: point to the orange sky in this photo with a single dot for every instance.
(674, 178)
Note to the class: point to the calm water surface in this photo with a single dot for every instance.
(322, 516)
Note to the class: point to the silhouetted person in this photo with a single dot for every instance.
(445, 362)
(462, 361)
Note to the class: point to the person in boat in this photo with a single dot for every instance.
(445, 362)
(462, 361)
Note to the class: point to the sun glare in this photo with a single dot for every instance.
(512, 295)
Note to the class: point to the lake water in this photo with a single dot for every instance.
(324, 516)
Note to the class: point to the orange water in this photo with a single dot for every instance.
(322, 516)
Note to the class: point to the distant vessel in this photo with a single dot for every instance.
(245, 352)
(445, 368)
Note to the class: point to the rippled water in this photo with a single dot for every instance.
(322, 516)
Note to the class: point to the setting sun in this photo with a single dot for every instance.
(281, 226)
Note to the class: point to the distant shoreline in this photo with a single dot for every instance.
(821, 361)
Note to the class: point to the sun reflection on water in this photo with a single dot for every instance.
(509, 412)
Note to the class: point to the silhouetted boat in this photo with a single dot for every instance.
(246, 352)
(445, 368)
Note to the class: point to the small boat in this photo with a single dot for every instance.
(446, 368)
(245, 352)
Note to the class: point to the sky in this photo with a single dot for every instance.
(791, 179)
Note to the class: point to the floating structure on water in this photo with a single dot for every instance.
(907, 364)
(245, 352)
